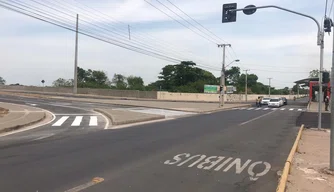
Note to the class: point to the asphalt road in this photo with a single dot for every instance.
(237, 150)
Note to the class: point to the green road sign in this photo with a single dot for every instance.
(211, 88)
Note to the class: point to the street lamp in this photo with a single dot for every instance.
(237, 60)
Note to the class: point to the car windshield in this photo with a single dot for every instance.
(266, 98)
(273, 100)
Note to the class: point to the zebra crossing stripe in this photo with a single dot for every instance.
(250, 108)
(77, 121)
(61, 121)
(282, 109)
(291, 109)
(93, 121)
(257, 109)
(265, 108)
(274, 109)
(300, 109)
(242, 108)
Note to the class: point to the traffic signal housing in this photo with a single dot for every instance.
(325, 77)
(229, 16)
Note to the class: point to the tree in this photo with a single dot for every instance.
(2, 81)
(119, 81)
(135, 83)
(232, 75)
(61, 82)
(183, 77)
(92, 78)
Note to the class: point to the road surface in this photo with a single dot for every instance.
(236, 150)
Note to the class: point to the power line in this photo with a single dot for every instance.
(196, 21)
(152, 49)
(152, 40)
(179, 22)
(326, 8)
(330, 11)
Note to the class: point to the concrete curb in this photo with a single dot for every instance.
(16, 127)
(113, 122)
(308, 106)
(284, 178)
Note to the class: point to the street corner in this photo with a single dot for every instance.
(22, 117)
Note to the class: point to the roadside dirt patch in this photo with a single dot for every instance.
(3, 111)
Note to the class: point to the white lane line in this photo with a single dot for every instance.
(77, 121)
(94, 181)
(256, 118)
(60, 121)
(291, 109)
(250, 108)
(258, 109)
(265, 109)
(282, 109)
(93, 121)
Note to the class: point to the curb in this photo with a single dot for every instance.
(16, 127)
(284, 178)
(113, 122)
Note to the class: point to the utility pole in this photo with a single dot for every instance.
(269, 85)
(222, 76)
(75, 82)
(246, 87)
(331, 147)
(297, 90)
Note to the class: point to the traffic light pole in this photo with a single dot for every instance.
(331, 148)
(320, 42)
(75, 78)
(222, 77)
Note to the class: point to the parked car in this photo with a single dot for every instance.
(285, 101)
(275, 102)
(265, 101)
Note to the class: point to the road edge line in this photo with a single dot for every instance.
(286, 170)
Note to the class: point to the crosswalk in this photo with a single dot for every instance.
(76, 121)
(269, 109)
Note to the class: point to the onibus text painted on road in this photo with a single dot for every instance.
(221, 163)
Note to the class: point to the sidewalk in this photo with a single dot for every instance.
(312, 157)
(19, 116)
(178, 106)
(313, 107)
(121, 117)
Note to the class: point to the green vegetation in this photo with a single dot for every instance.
(183, 77)
(2, 81)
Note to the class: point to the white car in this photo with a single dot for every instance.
(265, 101)
(275, 102)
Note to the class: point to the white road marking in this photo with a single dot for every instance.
(93, 121)
(216, 163)
(291, 109)
(76, 114)
(257, 109)
(265, 109)
(250, 108)
(282, 109)
(242, 108)
(43, 137)
(274, 109)
(300, 109)
(77, 121)
(60, 121)
(256, 118)
(94, 181)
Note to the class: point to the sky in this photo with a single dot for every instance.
(271, 43)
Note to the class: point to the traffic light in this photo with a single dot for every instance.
(328, 23)
(229, 16)
(325, 77)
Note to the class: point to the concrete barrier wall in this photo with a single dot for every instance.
(103, 92)
(161, 95)
(212, 97)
